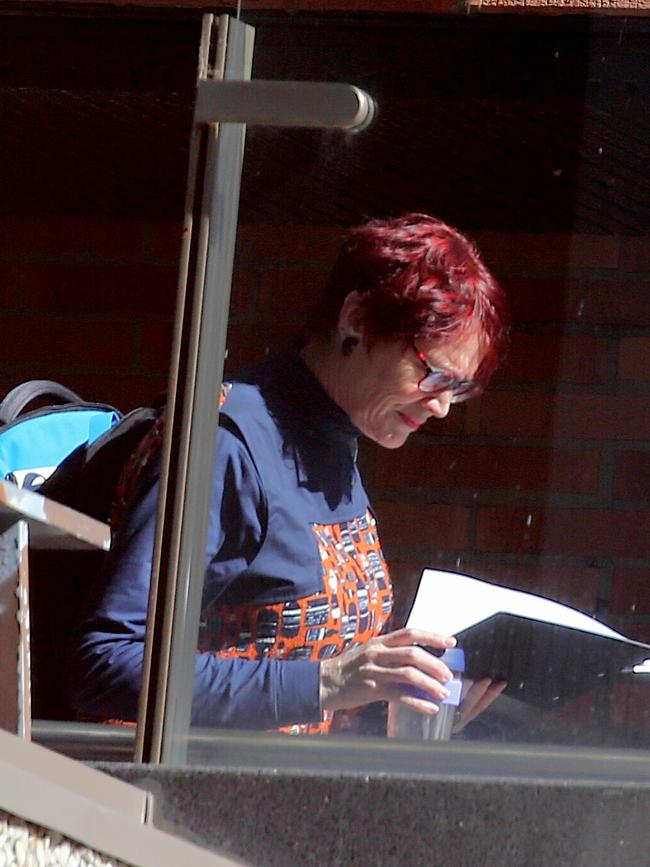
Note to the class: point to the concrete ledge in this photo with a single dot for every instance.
(45, 797)
(280, 818)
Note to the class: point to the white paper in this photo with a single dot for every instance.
(448, 602)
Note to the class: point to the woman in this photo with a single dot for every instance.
(297, 592)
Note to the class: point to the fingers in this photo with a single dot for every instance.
(479, 697)
(423, 706)
(388, 667)
(494, 690)
(409, 648)
(407, 662)
(408, 636)
(412, 681)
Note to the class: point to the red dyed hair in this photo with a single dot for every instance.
(418, 278)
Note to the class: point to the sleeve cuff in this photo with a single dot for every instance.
(298, 696)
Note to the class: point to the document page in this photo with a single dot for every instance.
(449, 602)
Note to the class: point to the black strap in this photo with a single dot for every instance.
(22, 395)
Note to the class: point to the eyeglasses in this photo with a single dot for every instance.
(437, 379)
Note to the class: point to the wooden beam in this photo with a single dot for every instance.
(393, 6)
(87, 7)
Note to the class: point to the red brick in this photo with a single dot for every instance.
(631, 591)
(250, 342)
(245, 344)
(635, 254)
(405, 577)
(636, 631)
(538, 299)
(555, 358)
(163, 241)
(146, 291)
(155, 352)
(610, 302)
(125, 392)
(634, 358)
(630, 708)
(265, 245)
(578, 532)
(423, 524)
(11, 287)
(588, 302)
(66, 237)
(594, 251)
(243, 294)
(452, 425)
(537, 414)
(474, 467)
(632, 476)
(291, 294)
(33, 339)
(541, 253)
(570, 585)
(581, 712)
(575, 586)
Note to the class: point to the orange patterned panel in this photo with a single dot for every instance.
(353, 606)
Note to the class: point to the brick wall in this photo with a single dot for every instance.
(89, 302)
(545, 480)
(543, 484)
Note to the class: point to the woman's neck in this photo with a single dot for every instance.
(327, 363)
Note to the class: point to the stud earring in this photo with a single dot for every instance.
(348, 344)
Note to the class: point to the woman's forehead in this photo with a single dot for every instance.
(460, 352)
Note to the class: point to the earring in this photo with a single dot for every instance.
(348, 345)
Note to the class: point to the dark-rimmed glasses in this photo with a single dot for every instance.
(437, 379)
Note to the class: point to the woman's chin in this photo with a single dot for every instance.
(392, 439)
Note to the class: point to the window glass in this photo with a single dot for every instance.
(526, 134)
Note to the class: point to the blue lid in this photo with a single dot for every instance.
(454, 658)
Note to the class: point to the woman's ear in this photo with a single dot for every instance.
(351, 322)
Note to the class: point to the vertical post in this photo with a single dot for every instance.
(15, 694)
(192, 412)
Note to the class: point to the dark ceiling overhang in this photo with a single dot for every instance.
(540, 7)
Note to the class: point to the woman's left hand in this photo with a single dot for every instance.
(479, 696)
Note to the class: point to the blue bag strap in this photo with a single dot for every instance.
(22, 395)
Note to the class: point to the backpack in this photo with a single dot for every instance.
(34, 444)
(72, 452)
(87, 479)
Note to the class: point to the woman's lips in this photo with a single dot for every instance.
(410, 422)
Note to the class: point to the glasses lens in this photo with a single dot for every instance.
(435, 381)
(465, 390)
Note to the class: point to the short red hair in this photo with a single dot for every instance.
(419, 277)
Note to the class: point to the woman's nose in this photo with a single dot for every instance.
(439, 404)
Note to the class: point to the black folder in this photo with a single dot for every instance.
(547, 652)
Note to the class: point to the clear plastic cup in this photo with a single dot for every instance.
(403, 722)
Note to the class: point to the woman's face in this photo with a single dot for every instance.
(380, 390)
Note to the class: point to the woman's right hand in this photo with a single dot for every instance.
(388, 668)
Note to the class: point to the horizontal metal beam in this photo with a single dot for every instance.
(327, 105)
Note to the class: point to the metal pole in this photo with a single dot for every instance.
(192, 410)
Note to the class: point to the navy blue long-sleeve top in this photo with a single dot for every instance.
(293, 567)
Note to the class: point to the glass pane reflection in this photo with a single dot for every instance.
(526, 134)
